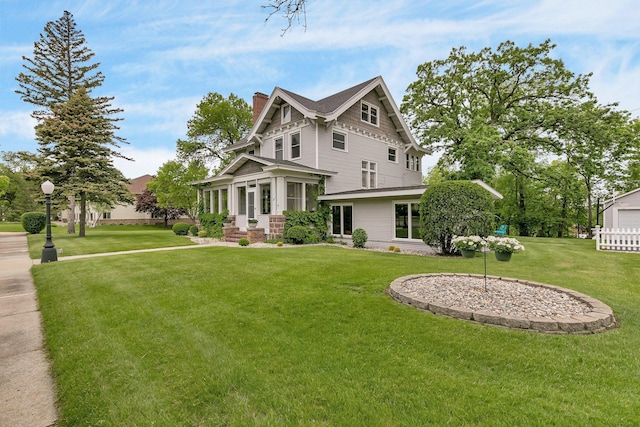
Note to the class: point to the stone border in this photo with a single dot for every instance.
(599, 319)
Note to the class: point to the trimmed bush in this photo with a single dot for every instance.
(397, 250)
(193, 230)
(297, 235)
(454, 208)
(203, 233)
(392, 248)
(243, 242)
(181, 228)
(279, 243)
(359, 238)
(33, 222)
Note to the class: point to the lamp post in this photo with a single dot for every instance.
(49, 253)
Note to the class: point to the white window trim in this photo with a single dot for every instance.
(281, 137)
(389, 147)
(369, 162)
(291, 145)
(342, 205)
(370, 106)
(284, 117)
(393, 221)
(346, 141)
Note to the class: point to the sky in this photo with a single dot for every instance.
(161, 57)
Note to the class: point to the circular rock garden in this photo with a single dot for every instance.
(512, 303)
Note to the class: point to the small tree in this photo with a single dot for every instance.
(172, 186)
(454, 208)
(148, 202)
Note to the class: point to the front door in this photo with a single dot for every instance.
(251, 203)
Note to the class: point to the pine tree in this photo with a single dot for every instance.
(60, 66)
(77, 147)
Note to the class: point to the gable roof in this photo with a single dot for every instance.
(139, 184)
(329, 109)
(268, 164)
(621, 196)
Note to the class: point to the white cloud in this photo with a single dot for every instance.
(146, 160)
(17, 124)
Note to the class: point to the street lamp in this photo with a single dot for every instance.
(49, 253)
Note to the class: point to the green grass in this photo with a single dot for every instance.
(107, 238)
(308, 336)
(11, 227)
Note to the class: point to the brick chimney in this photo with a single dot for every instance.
(259, 101)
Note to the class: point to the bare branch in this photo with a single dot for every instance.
(291, 10)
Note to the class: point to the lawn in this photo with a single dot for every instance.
(308, 336)
(106, 238)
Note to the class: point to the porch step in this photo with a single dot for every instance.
(235, 236)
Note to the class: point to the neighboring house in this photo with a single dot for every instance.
(120, 214)
(623, 211)
(352, 150)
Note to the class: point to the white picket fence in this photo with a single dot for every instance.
(617, 239)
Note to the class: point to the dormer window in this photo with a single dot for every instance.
(286, 113)
(369, 113)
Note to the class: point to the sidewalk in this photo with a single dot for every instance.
(27, 396)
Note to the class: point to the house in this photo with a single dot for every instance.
(119, 214)
(623, 211)
(352, 150)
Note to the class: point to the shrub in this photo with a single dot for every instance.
(392, 248)
(212, 222)
(193, 230)
(315, 222)
(297, 235)
(180, 228)
(454, 208)
(33, 222)
(279, 243)
(396, 249)
(243, 242)
(203, 233)
(359, 238)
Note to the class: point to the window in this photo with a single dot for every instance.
(242, 200)
(252, 152)
(342, 219)
(369, 113)
(215, 197)
(225, 200)
(368, 174)
(106, 215)
(295, 145)
(393, 155)
(294, 196)
(286, 113)
(265, 199)
(311, 196)
(279, 149)
(407, 220)
(412, 162)
(207, 200)
(339, 141)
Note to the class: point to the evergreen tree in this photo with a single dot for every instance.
(60, 66)
(77, 149)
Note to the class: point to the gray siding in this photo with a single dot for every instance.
(630, 203)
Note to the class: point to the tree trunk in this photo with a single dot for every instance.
(563, 218)
(589, 213)
(71, 216)
(83, 214)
